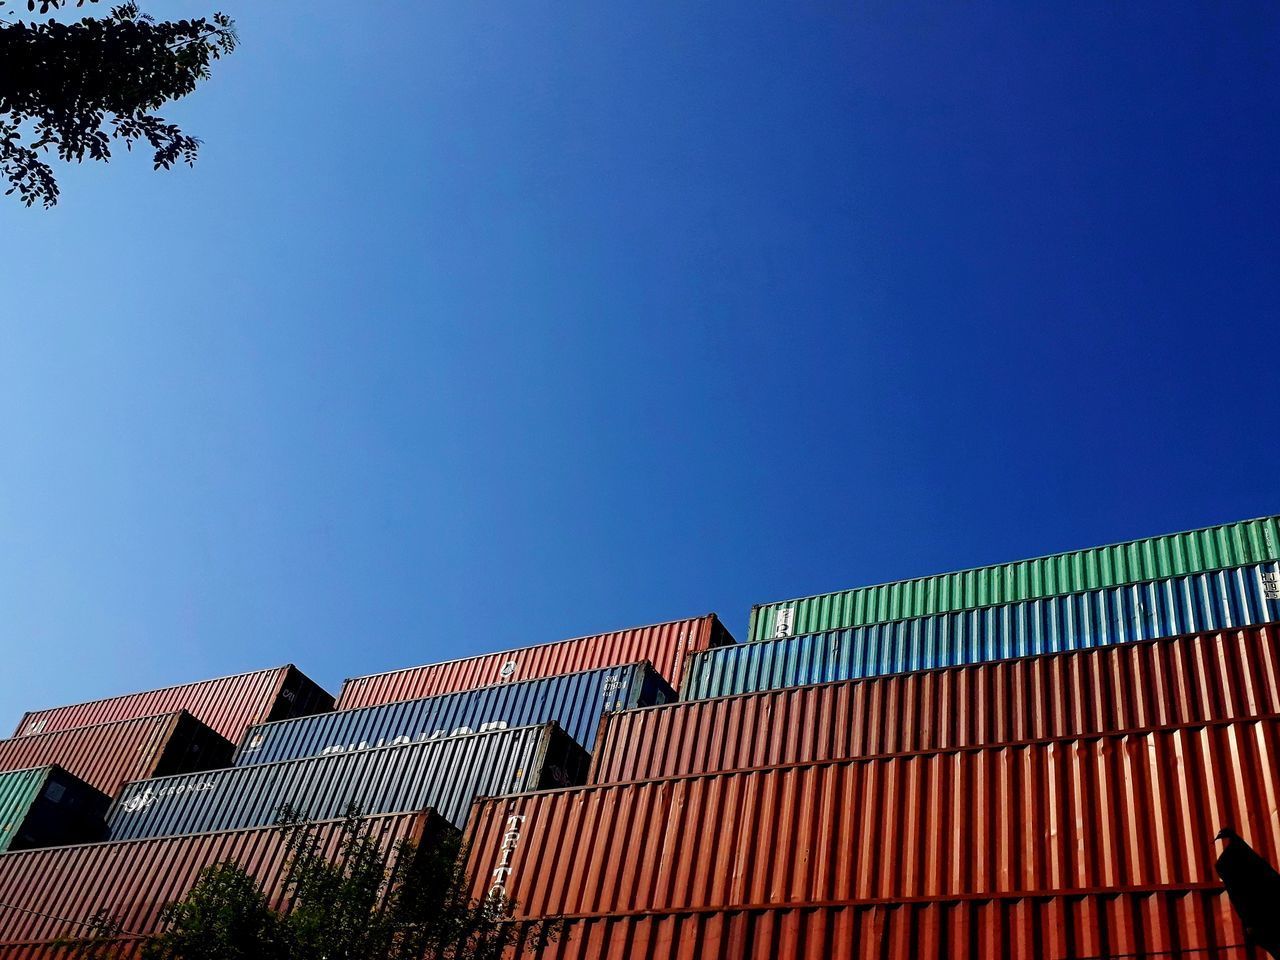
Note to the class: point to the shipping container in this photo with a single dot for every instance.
(1232, 674)
(575, 701)
(1076, 571)
(116, 948)
(45, 807)
(1240, 596)
(444, 774)
(108, 755)
(1066, 816)
(229, 705)
(1150, 925)
(665, 645)
(54, 893)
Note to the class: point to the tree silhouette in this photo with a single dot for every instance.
(71, 88)
(365, 902)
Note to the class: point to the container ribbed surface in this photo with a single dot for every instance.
(1146, 611)
(1075, 571)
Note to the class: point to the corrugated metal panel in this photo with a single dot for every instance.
(665, 645)
(49, 894)
(1232, 674)
(445, 775)
(47, 806)
(1153, 558)
(109, 755)
(1161, 608)
(1163, 925)
(575, 701)
(229, 705)
(1088, 815)
(130, 948)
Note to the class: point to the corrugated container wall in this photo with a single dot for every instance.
(445, 775)
(1159, 925)
(1153, 558)
(575, 701)
(47, 806)
(109, 755)
(665, 645)
(229, 705)
(1067, 816)
(47, 894)
(1233, 674)
(1160, 608)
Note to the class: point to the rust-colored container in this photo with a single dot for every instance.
(1154, 925)
(48, 894)
(1085, 815)
(229, 705)
(662, 644)
(1232, 674)
(109, 755)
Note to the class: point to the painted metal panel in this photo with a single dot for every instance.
(445, 775)
(1145, 611)
(50, 894)
(575, 701)
(46, 806)
(1079, 816)
(228, 705)
(1157, 925)
(1232, 674)
(109, 755)
(1096, 568)
(665, 645)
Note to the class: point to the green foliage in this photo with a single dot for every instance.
(74, 87)
(103, 939)
(361, 901)
(224, 917)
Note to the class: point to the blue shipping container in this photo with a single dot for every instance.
(444, 775)
(1235, 597)
(575, 701)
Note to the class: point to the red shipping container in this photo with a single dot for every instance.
(229, 705)
(109, 755)
(1160, 925)
(49, 894)
(1198, 678)
(1087, 815)
(663, 644)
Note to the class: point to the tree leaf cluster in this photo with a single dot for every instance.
(71, 88)
(360, 901)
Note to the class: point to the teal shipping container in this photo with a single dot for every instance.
(1236, 597)
(47, 807)
(1094, 568)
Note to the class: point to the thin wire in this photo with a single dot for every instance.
(53, 916)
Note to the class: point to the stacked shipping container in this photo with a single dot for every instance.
(227, 705)
(1033, 766)
(1027, 760)
(108, 755)
(575, 701)
(50, 894)
(665, 645)
(444, 774)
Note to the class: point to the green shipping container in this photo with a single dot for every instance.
(48, 807)
(1095, 568)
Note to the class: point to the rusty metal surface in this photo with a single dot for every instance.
(229, 705)
(1163, 925)
(51, 893)
(665, 645)
(109, 755)
(1202, 677)
(1086, 815)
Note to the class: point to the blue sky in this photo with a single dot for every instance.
(481, 325)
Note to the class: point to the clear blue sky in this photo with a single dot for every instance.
(481, 325)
